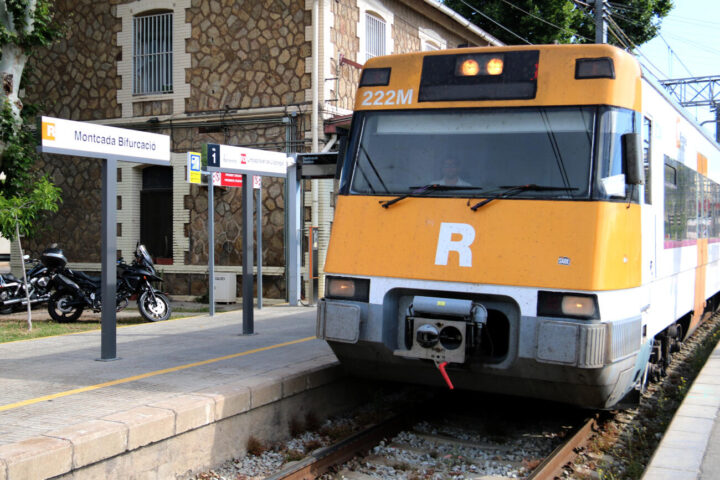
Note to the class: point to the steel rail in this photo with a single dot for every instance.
(321, 460)
(552, 466)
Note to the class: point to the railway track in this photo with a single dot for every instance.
(448, 447)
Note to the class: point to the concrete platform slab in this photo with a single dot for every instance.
(690, 448)
(184, 394)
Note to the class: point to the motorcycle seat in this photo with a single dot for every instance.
(88, 278)
(10, 278)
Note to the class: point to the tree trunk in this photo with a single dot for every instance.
(25, 283)
(12, 64)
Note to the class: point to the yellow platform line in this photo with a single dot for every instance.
(120, 381)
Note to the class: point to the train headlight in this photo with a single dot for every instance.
(572, 305)
(348, 288)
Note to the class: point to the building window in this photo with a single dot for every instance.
(430, 40)
(156, 213)
(153, 54)
(374, 36)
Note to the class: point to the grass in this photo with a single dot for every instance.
(14, 329)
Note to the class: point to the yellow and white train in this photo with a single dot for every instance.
(539, 221)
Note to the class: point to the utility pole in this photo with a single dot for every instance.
(600, 26)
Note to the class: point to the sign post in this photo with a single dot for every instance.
(226, 159)
(111, 144)
(257, 186)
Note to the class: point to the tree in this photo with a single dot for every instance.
(564, 21)
(18, 214)
(24, 26)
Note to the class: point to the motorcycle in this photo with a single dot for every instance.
(75, 291)
(12, 289)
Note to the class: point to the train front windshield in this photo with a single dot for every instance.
(487, 150)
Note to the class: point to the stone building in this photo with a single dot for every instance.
(268, 74)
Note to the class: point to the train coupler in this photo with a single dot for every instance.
(441, 366)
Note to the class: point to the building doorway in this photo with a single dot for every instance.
(156, 213)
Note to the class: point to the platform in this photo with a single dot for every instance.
(690, 448)
(187, 385)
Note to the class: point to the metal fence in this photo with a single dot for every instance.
(152, 54)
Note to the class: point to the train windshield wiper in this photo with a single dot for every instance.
(431, 187)
(510, 190)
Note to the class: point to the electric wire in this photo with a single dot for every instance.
(574, 33)
(611, 31)
(660, 35)
(495, 22)
(672, 52)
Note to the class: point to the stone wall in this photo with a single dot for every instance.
(344, 37)
(76, 227)
(77, 78)
(247, 54)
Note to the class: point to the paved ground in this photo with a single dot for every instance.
(157, 361)
(690, 448)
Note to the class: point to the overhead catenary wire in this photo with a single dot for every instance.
(658, 73)
(672, 52)
(660, 35)
(574, 33)
(495, 22)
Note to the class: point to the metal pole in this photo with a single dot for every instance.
(211, 243)
(247, 254)
(108, 327)
(293, 206)
(717, 123)
(600, 27)
(258, 219)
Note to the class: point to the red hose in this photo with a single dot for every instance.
(441, 367)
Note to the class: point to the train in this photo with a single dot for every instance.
(540, 221)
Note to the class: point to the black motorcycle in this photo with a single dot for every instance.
(75, 291)
(12, 289)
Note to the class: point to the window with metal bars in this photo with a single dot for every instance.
(152, 54)
(374, 36)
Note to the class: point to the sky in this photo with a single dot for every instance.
(688, 46)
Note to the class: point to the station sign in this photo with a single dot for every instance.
(220, 179)
(67, 137)
(230, 159)
(318, 165)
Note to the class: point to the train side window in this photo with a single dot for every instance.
(647, 155)
(670, 176)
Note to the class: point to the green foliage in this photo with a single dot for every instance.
(25, 25)
(19, 152)
(23, 193)
(26, 208)
(44, 29)
(571, 23)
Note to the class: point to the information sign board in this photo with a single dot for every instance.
(243, 160)
(67, 137)
(194, 167)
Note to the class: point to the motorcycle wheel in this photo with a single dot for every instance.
(59, 309)
(6, 310)
(154, 310)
